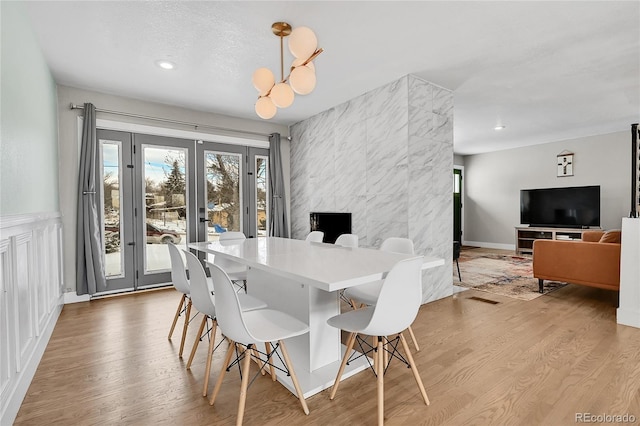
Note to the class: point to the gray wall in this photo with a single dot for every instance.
(458, 160)
(386, 157)
(70, 145)
(494, 180)
(29, 148)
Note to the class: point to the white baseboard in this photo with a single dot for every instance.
(489, 245)
(628, 317)
(26, 375)
(72, 297)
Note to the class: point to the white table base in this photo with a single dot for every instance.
(316, 356)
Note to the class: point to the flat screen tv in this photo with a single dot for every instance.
(575, 207)
(332, 224)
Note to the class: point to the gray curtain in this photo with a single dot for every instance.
(278, 226)
(90, 272)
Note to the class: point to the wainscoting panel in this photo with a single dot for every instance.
(31, 296)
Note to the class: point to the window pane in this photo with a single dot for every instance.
(165, 199)
(223, 195)
(262, 196)
(111, 179)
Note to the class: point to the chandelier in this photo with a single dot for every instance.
(303, 45)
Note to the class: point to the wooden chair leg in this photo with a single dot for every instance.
(350, 342)
(413, 339)
(246, 368)
(380, 373)
(223, 371)
(272, 370)
(414, 369)
(258, 360)
(212, 340)
(294, 378)
(186, 325)
(197, 341)
(175, 318)
(385, 352)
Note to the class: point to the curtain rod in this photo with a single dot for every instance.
(167, 120)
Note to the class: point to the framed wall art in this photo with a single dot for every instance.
(565, 164)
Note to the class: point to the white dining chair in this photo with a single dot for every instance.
(367, 294)
(236, 271)
(203, 299)
(181, 284)
(396, 308)
(347, 240)
(247, 329)
(315, 237)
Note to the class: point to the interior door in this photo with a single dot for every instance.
(457, 205)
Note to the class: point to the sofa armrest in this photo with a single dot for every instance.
(578, 262)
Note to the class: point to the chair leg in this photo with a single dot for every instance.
(258, 360)
(350, 342)
(414, 369)
(294, 378)
(212, 340)
(540, 285)
(197, 341)
(223, 371)
(380, 373)
(272, 370)
(246, 368)
(413, 339)
(175, 318)
(459, 276)
(186, 325)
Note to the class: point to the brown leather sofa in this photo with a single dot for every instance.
(594, 261)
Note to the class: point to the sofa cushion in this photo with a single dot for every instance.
(614, 236)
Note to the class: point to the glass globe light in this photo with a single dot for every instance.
(302, 42)
(299, 61)
(302, 80)
(263, 80)
(282, 95)
(265, 108)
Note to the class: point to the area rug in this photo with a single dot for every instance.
(506, 275)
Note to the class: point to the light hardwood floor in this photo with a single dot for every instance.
(512, 363)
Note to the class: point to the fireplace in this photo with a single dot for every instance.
(331, 223)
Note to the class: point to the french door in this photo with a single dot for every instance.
(233, 191)
(158, 190)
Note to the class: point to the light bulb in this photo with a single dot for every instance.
(263, 80)
(302, 80)
(265, 108)
(302, 42)
(282, 95)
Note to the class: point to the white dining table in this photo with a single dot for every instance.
(303, 279)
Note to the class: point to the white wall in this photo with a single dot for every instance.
(387, 158)
(493, 182)
(29, 148)
(70, 145)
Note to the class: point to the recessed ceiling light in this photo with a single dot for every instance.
(166, 65)
(499, 127)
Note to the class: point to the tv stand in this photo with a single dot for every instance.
(526, 235)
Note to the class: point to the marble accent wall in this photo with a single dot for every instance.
(387, 158)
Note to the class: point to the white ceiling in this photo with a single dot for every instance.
(546, 70)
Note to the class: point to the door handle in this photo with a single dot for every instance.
(131, 244)
(203, 220)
